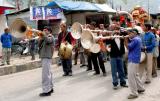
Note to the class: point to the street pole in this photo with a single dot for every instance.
(149, 9)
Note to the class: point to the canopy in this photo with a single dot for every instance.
(80, 6)
(105, 8)
(74, 6)
(5, 5)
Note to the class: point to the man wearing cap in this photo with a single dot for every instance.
(46, 53)
(134, 55)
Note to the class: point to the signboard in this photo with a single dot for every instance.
(45, 13)
(36, 13)
(50, 13)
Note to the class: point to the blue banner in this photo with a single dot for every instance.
(51, 13)
(45, 13)
(36, 13)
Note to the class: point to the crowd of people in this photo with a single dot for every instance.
(123, 53)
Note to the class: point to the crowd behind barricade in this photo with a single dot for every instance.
(131, 51)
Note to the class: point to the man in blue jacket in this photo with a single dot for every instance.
(134, 55)
(148, 44)
(6, 40)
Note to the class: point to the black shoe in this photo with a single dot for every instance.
(104, 74)
(88, 69)
(154, 75)
(115, 87)
(45, 94)
(52, 91)
(2, 64)
(141, 91)
(124, 85)
(147, 82)
(82, 65)
(65, 74)
(96, 73)
(70, 74)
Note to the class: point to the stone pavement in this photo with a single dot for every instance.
(82, 86)
(23, 63)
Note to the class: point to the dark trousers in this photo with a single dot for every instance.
(67, 65)
(94, 57)
(32, 53)
(95, 62)
(101, 62)
(76, 57)
(89, 60)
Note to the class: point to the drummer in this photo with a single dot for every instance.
(65, 37)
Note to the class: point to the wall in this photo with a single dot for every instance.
(78, 17)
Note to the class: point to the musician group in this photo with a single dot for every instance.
(133, 54)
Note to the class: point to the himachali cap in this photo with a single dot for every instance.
(134, 31)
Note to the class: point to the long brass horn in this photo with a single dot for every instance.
(20, 29)
(88, 41)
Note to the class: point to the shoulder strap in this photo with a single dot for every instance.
(64, 37)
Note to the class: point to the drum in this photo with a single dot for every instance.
(143, 57)
(65, 50)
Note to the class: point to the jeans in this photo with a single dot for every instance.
(117, 71)
(67, 65)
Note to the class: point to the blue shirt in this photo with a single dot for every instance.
(134, 48)
(149, 41)
(6, 40)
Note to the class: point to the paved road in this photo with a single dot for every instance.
(83, 86)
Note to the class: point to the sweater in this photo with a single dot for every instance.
(6, 40)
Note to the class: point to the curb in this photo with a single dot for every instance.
(5, 70)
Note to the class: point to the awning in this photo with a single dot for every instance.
(5, 4)
(74, 6)
(105, 8)
(80, 6)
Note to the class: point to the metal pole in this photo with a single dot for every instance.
(149, 9)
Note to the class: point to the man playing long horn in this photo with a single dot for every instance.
(99, 56)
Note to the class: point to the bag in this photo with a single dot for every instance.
(155, 52)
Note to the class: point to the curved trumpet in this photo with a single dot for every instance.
(20, 29)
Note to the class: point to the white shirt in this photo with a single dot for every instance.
(117, 40)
